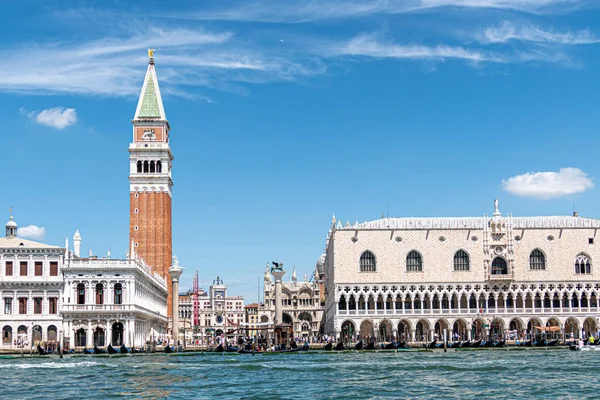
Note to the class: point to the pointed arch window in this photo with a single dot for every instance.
(499, 266)
(461, 261)
(583, 265)
(146, 166)
(414, 262)
(152, 166)
(139, 167)
(537, 260)
(368, 262)
(158, 167)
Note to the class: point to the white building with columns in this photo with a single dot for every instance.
(31, 288)
(112, 301)
(477, 276)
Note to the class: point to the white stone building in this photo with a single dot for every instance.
(414, 277)
(218, 313)
(301, 304)
(31, 288)
(112, 301)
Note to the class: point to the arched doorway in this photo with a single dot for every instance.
(52, 333)
(515, 329)
(477, 329)
(403, 330)
(80, 337)
(497, 329)
(36, 334)
(589, 327)
(7, 335)
(553, 328)
(385, 331)
(532, 328)
(348, 331)
(99, 337)
(459, 330)
(287, 319)
(571, 328)
(422, 330)
(438, 329)
(219, 332)
(305, 324)
(117, 334)
(264, 319)
(366, 330)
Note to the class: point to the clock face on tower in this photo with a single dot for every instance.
(219, 319)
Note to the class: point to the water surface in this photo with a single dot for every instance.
(498, 374)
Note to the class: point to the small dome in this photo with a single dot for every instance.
(11, 223)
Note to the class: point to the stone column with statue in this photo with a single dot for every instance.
(175, 272)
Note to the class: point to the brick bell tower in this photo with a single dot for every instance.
(150, 184)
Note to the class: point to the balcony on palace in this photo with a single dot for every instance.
(474, 311)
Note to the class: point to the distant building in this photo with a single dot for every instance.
(302, 307)
(218, 313)
(251, 319)
(414, 278)
(31, 288)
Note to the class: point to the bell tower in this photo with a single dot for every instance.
(150, 184)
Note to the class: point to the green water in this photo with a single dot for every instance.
(481, 374)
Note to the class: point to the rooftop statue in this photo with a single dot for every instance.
(277, 266)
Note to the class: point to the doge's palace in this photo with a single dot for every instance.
(413, 278)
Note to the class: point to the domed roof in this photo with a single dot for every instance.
(11, 223)
(321, 264)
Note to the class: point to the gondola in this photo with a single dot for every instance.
(432, 345)
(328, 347)
(454, 345)
(487, 343)
(465, 344)
(476, 343)
(86, 351)
(41, 351)
(123, 349)
(111, 350)
(551, 343)
(293, 345)
(339, 346)
(390, 346)
(98, 350)
(232, 349)
(219, 348)
(539, 343)
(403, 345)
(370, 346)
(169, 349)
(527, 343)
(249, 351)
(303, 348)
(439, 345)
(359, 345)
(500, 343)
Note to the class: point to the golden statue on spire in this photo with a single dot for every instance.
(151, 53)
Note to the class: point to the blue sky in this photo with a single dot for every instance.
(283, 113)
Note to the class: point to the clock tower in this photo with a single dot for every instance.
(150, 183)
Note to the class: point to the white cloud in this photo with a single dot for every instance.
(115, 66)
(57, 117)
(546, 185)
(302, 11)
(508, 31)
(32, 232)
(369, 45)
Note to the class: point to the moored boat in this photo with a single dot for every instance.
(41, 351)
(390, 346)
(370, 346)
(432, 345)
(476, 343)
(328, 347)
(98, 350)
(500, 343)
(123, 349)
(88, 351)
(303, 348)
(169, 349)
(340, 346)
(111, 350)
(219, 348)
(359, 345)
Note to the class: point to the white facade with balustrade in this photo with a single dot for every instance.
(113, 301)
(411, 278)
